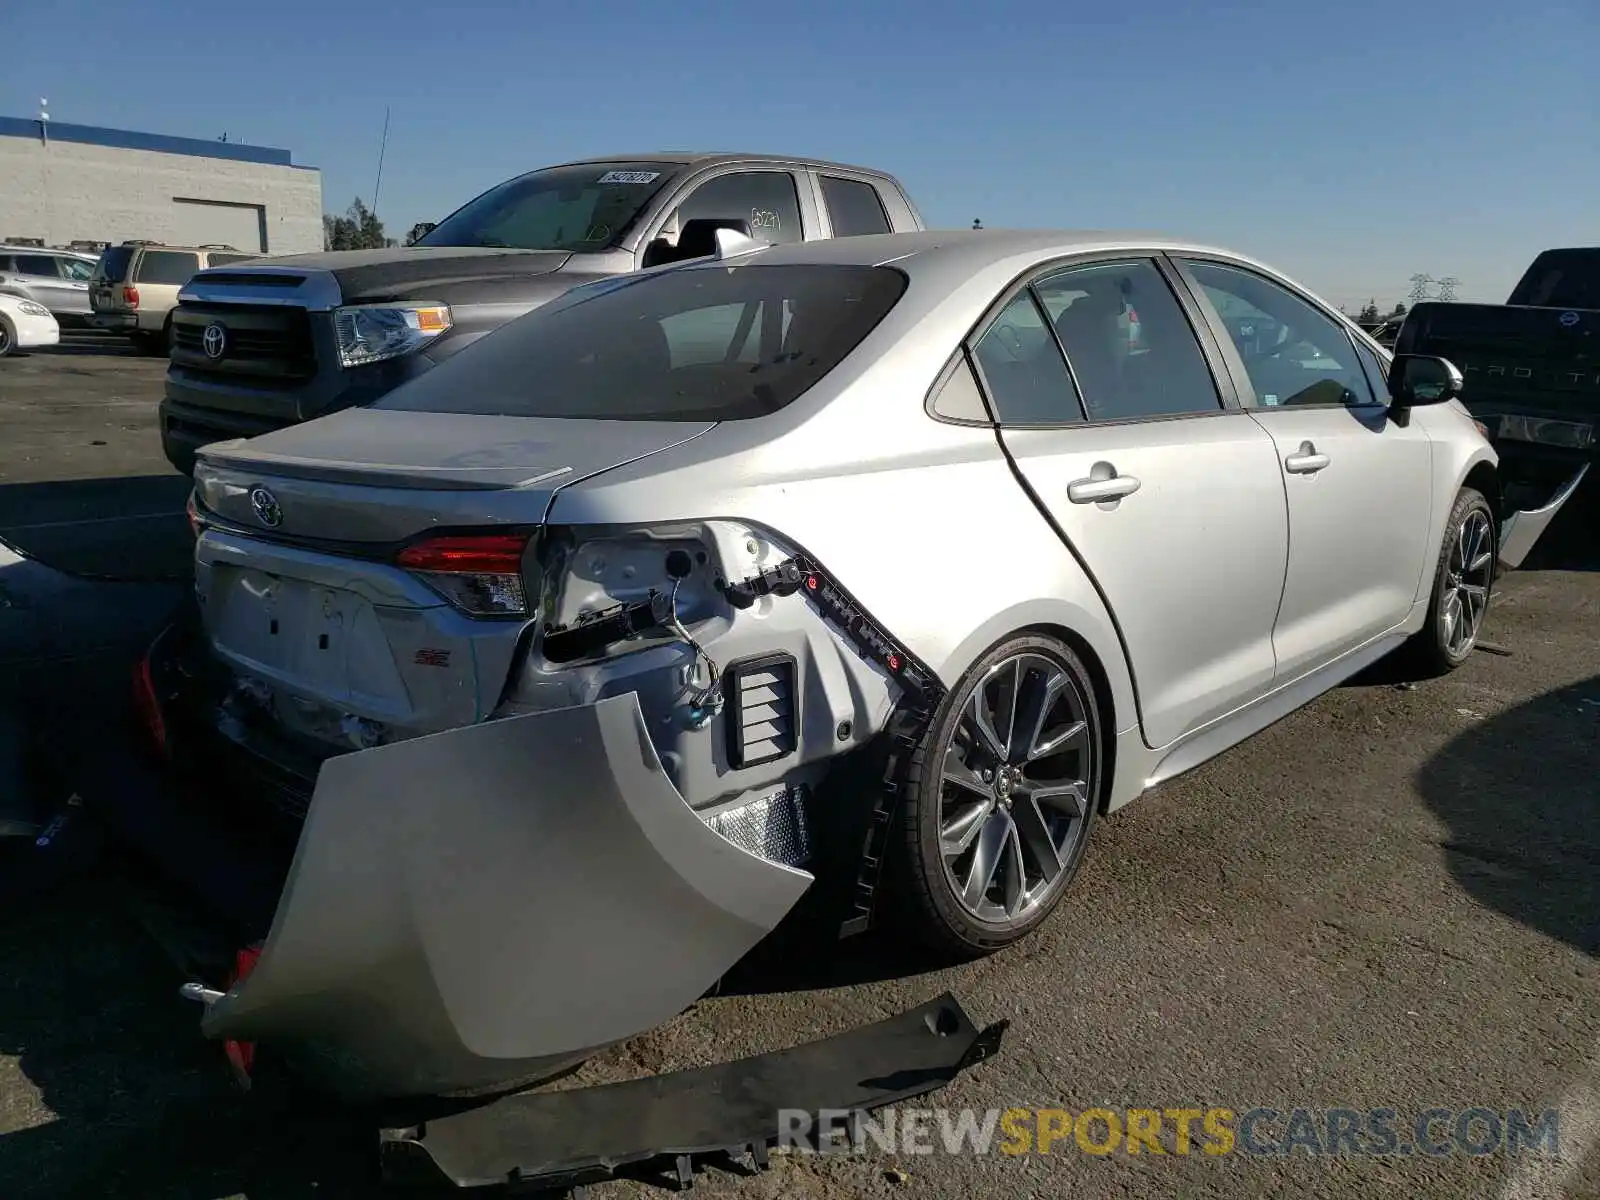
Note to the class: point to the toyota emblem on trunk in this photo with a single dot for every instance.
(266, 507)
(215, 340)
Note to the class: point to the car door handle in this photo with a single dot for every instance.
(1093, 490)
(1306, 462)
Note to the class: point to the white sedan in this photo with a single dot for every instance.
(24, 324)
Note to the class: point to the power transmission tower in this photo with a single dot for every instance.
(1448, 286)
(1419, 288)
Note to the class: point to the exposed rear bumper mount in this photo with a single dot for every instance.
(560, 1140)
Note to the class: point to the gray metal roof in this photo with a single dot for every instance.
(707, 158)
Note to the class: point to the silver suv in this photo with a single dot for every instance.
(57, 279)
(135, 287)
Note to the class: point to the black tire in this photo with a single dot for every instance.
(1438, 648)
(926, 899)
(8, 337)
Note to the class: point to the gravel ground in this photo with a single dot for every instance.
(1390, 899)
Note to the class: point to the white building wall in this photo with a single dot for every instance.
(62, 191)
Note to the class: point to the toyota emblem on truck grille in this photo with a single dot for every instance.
(266, 507)
(215, 340)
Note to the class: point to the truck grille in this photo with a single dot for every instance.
(267, 344)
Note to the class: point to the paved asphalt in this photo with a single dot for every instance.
(1391, 899)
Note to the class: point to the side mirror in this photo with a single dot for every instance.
(1419, 379)
(697, 239)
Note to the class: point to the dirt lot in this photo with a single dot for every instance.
(1389, 900)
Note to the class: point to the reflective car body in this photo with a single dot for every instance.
(580, 627)
(25, 324)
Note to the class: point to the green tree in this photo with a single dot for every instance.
(1369, 312)
(1399, 310)
(358, 229)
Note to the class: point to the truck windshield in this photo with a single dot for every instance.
(690, 344)
(1561, 279)
(577, 208)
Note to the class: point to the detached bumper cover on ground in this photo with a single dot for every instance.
(734, 1109)
(495, 903)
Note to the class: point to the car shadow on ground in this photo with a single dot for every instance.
(128, 527)
(88, 342)
(1518, 844)
(137, 1104)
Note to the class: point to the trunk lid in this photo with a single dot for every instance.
(297, 573)
(379, 475)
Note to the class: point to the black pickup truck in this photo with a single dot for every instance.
(276, 341)
(1531, 368)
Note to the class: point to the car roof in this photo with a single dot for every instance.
(709, 158)
(11, 249)
(969, 250)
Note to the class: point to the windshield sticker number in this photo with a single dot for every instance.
(630, 177)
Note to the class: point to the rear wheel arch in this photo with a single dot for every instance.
(1485, 477)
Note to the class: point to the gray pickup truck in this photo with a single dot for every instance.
(274, 342)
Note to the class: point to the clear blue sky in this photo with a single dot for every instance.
(1350, 144)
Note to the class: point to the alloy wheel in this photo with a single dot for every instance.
(1017, 777)
(1465, 598)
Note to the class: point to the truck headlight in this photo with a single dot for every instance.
(369, 333)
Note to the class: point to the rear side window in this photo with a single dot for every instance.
(1023, 370)
(853, 207)
(167, 266)
(697, 344)
(1132, 350)
(113, 265)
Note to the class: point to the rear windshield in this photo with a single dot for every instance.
(167, 266)
(580, 208)
(113, 264)
(699, 344)
(1561, 279)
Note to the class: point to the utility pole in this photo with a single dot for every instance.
(382, 146)
(1447, 287)
(1419, 288)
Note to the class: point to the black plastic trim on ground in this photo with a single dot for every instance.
(729, 1113)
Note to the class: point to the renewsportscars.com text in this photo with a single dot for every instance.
(1257, 1132)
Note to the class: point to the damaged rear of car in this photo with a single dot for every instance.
(530, 787)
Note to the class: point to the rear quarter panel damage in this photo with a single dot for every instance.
(935, 539)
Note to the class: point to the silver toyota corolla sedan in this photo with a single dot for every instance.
(902, 556)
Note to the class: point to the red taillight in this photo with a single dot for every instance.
(144, 696)
(130, 297)
(467, 554)
(196, 526)
(480, 573)
(242, 1055)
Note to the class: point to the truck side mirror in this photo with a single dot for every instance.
(1419, 379)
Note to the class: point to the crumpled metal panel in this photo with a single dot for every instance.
(494, 903)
